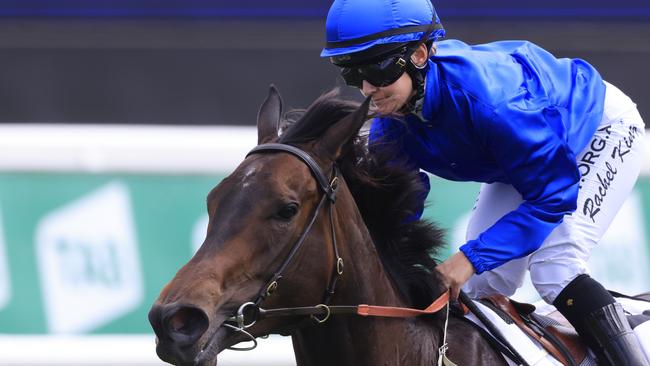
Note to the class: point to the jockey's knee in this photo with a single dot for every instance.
(551, 277)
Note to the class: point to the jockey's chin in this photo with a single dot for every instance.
(386, 108)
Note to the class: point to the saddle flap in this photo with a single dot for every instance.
(561, 342)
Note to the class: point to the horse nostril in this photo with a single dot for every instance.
(185, 324)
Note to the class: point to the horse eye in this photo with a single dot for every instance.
(288, 211)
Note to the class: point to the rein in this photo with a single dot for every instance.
(249, 313)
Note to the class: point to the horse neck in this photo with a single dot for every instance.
(350, 339)
(365, 279)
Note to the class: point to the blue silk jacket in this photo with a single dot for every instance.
(506, 112)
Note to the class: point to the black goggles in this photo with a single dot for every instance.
(380, 74)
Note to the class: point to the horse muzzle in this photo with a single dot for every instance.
(185, 335)
(178, 329)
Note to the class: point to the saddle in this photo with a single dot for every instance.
(556, 336)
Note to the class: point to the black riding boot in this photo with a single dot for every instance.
(612, 330)
(600, 321)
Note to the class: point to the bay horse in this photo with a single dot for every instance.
(308, 224)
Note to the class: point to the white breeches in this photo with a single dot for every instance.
(609, 166)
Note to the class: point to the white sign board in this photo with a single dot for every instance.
(88, 261)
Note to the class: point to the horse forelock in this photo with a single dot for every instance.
(386, 194)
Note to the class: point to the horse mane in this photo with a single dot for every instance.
(386, 194)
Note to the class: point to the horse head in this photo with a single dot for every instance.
(268, 242)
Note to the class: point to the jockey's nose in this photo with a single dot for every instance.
(368, 89)
(181, 325)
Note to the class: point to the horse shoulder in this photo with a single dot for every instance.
(468, 347)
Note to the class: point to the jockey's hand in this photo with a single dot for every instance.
(455, 271)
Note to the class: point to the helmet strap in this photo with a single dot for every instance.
(418, 75)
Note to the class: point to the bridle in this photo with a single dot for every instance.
(329, 188)
(250, 312)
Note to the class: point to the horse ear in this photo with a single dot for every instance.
(342, 131)
(268, 117)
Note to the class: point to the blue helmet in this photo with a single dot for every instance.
(359, 25)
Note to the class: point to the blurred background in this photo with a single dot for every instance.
(117, 118)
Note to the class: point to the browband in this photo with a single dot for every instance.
(313, 166)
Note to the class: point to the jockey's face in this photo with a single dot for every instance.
(390, 99)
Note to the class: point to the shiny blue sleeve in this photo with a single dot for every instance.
(384, 132)
(544, 171)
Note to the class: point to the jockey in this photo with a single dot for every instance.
(556, 148)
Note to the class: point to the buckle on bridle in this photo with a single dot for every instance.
(271, 288)
(339, 266)
(334, 183)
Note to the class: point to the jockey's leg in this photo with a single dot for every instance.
(493, 201)
(609, 166)
(600, 321)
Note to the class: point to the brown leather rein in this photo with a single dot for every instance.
(249, 313)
